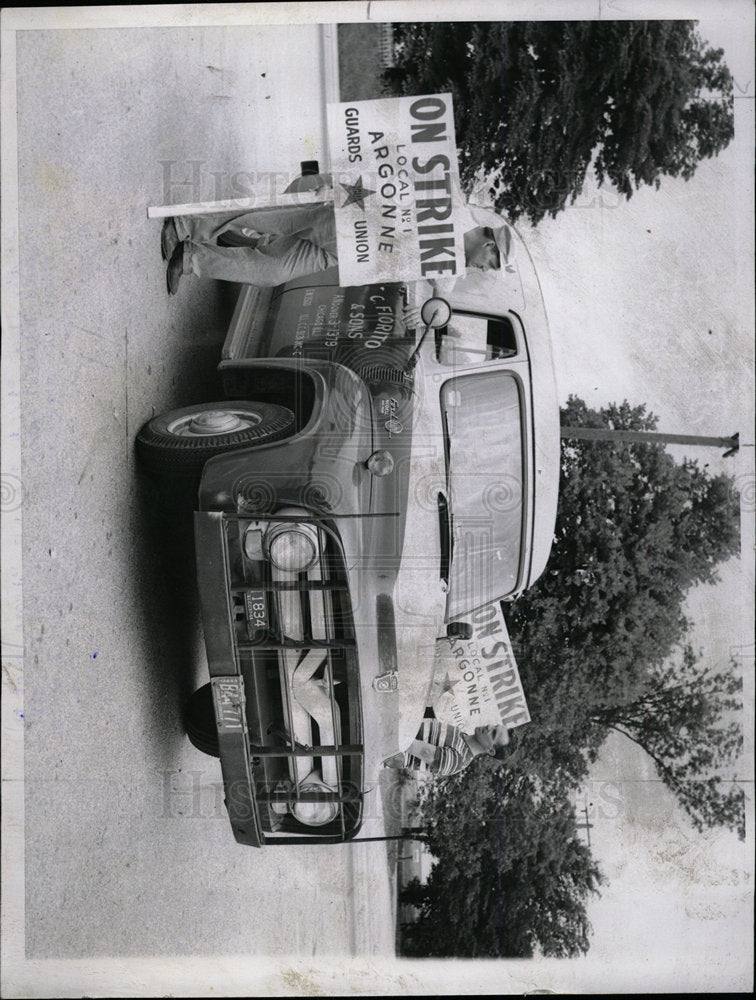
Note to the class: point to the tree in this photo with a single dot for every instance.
(686, 722)
(511, 874)
(536, 103)
(635, 530)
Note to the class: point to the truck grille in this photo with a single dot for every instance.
(295, 647)
(386, 373)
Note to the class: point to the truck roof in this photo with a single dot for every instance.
(518, 290)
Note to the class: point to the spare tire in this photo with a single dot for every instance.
(199, 719)
(181, 441)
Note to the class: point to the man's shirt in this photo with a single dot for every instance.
(451, 752)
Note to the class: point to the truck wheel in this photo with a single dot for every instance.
(181, 441)
(199, 719)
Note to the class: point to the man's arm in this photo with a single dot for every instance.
(425, 752)
(443, 287)
(440, 760)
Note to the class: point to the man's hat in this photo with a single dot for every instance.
(502, 233)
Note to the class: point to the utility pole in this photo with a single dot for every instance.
(587, 826)
(410, 834)
(732, 444)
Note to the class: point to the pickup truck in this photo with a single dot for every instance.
(362, 491)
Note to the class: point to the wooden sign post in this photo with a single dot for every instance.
(287, 199)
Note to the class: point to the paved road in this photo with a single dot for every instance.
(127, 848)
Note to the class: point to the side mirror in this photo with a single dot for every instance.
(435, 312)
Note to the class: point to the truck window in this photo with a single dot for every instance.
(472, 339)
(484, 449)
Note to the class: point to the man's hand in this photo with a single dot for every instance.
(411, 317)
(424, 751)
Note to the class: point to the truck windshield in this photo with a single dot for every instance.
(484, 449)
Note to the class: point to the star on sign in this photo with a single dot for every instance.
(448, 684)
(357, 194)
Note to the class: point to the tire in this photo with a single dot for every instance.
(199, 719)
(179, 442)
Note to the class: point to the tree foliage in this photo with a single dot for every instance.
(539, 102)
(687, 721)
(635, 531)
(511, 875)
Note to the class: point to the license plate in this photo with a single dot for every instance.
(256, 607)
(228, 697)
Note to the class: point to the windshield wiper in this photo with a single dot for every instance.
(447, 441)
(440, 334)
(444, 525)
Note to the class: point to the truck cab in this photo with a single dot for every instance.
(363, 490)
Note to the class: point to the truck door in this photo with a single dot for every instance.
(311, 319)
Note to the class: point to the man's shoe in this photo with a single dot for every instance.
(168, 239)
(175, 269)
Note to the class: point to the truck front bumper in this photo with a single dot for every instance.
(286, 687)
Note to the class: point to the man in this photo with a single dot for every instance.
(270, 246)
(443, 749)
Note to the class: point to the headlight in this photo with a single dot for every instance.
(292, 551)
(292, 547)
(315, 812)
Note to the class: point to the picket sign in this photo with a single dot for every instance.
(395, 170)
(476, 681)
(399, 212)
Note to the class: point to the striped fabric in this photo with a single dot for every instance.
(452, 754)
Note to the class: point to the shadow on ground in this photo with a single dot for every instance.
(164, 598)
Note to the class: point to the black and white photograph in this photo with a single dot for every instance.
(378, 498)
